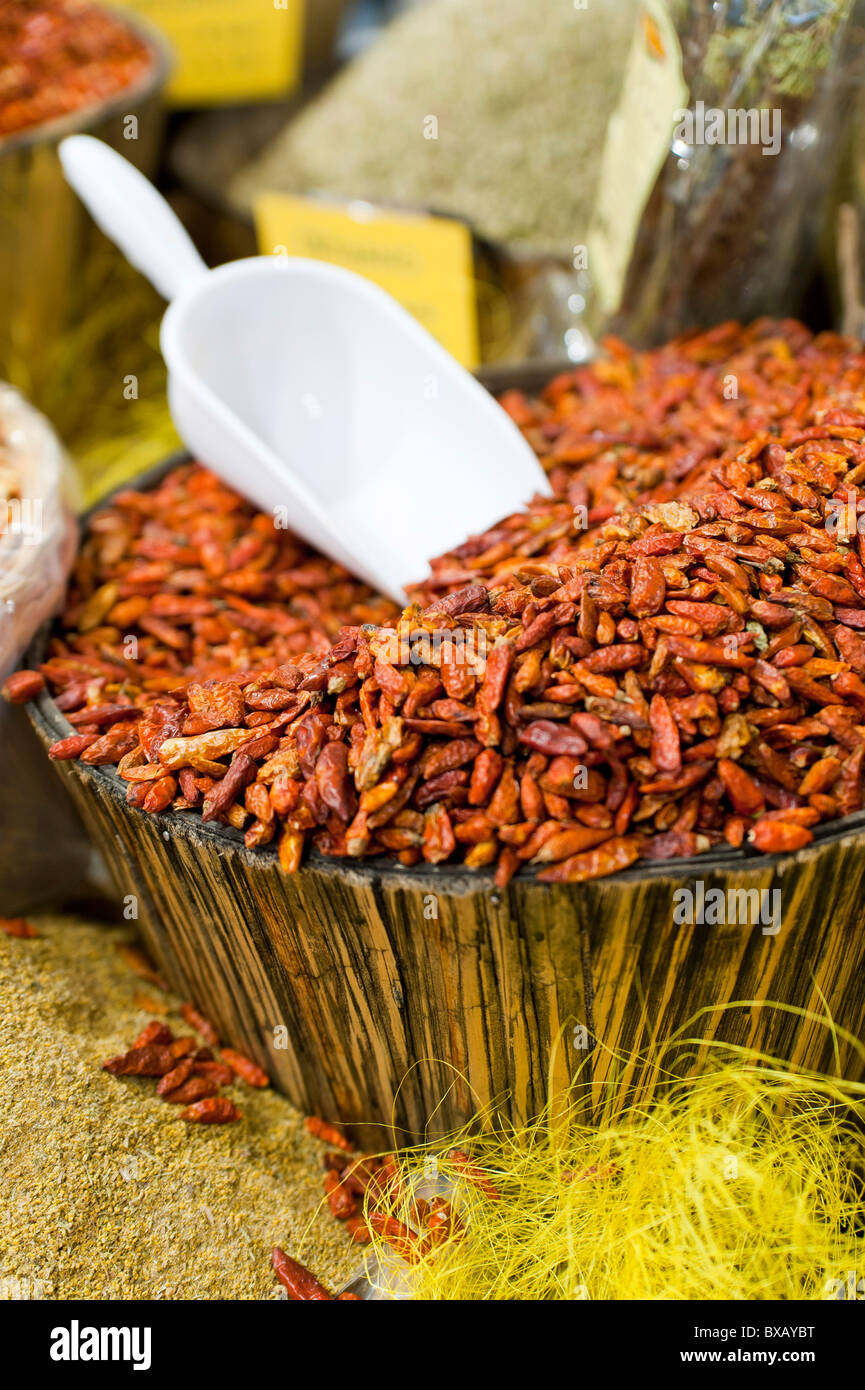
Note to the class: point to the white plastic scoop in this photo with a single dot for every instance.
(311, 391)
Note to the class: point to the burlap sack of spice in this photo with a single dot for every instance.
(44, 853)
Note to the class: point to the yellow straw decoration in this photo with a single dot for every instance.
(744, 1181)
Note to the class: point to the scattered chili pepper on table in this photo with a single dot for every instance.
(380, 1183)
(149, 1004)
(302, 1287)
(216, 1110)
(472, 1174)
(17, 926)
(665, 656)
(328, 1133)
(245, 1068)
(154, 1032)
(138, 960)
(187, 1074)
(202, 1025)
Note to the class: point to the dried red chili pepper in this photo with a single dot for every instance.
(152, 1060)
(17, 926)
(328, 1134)
(241, 772)
(215, 1071)
(614, 854)
(214, 1110)
(159, 795)
(65, 749)
(202, 1025)
(139, 961)
(666, 752)
(405, 1242)
(342, 1201)
(247, 1070)
(775, 836)
(474, 1175)
(442, 1222)
(154, 1032)
(358, 1230)
(302, 1286)
(176, 1077)
(191, 1091)
(149, 1004)
(23, 686)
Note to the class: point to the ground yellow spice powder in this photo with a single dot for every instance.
(106, 1192)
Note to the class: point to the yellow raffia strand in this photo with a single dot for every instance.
(741, 1181)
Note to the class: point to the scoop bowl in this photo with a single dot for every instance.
(315, 394)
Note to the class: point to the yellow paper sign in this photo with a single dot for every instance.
(229, 50)
(424, 262)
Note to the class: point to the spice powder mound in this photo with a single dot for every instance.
(107, 1192)
(664, 656)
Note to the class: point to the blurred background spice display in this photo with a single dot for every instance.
(511, 153)
(68, 67)
(521, 106)
(65, 59)
(548, 133)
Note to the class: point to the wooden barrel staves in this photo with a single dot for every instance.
(408, 998)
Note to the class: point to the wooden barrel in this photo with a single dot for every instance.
(386, 996)
(402, 1001)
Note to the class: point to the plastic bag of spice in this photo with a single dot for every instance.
(44, 854)
(37, 530)
(731, 226)
(520, 92)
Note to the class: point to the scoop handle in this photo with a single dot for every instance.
(132, 213)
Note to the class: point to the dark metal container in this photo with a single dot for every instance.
(45, 233)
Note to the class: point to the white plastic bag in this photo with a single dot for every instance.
(45, 857)
(37, 526)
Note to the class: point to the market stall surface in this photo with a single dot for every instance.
(107, 1193)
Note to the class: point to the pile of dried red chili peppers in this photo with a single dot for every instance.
(665, 656)
(60, 56)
